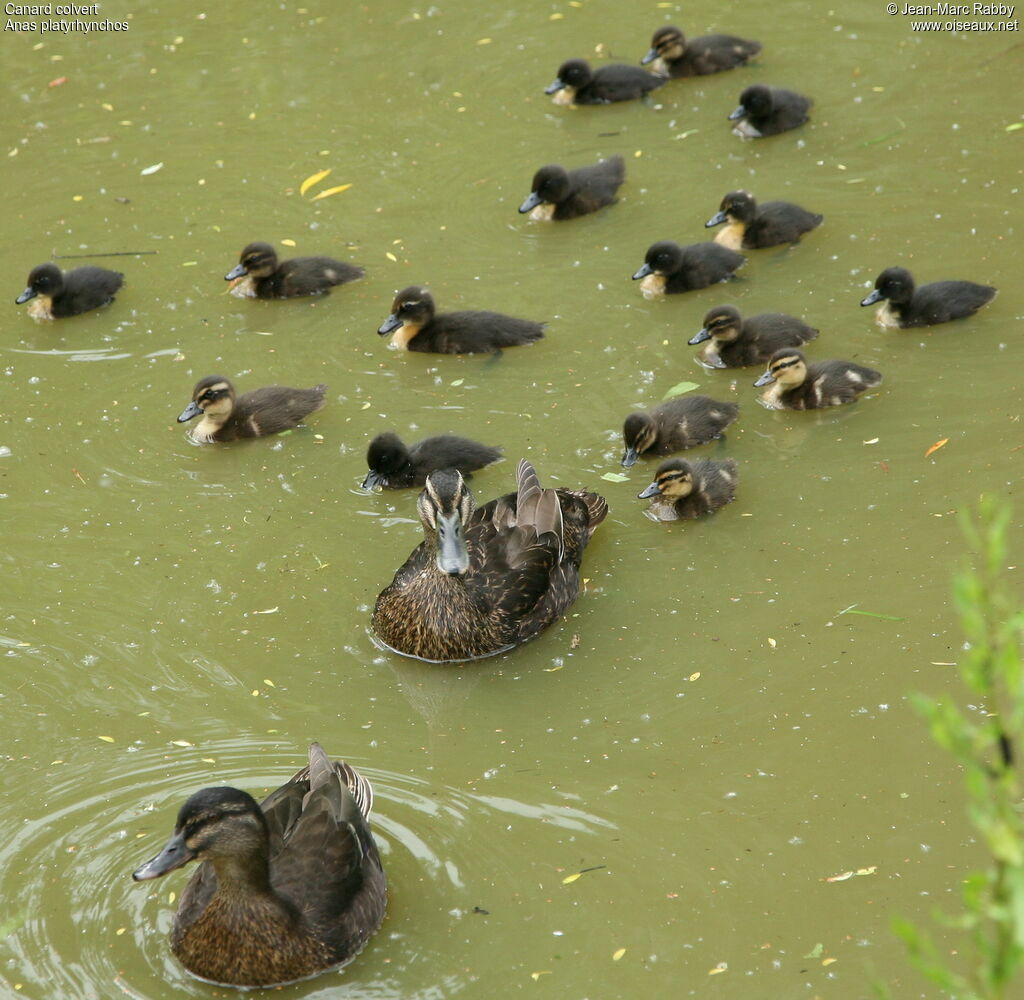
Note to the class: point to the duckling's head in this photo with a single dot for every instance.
(673, 480)
(444, 507)
(385, 456)
(550, 186)
(213, 397)
(755, 102)
(572, 74)
(788, 367)
(668, 42)
(413, 307)
(639, 432)
(214, 824)
(257, 260)
(723, 323)
(664, 257)
(737, 206)
(46, 279)
(895, 284)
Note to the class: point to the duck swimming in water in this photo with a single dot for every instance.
(577, 83)
(941, 301)
(560, 194)
(673, 55)
(56, 294)
(260, 275)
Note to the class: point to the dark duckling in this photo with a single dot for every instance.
(736, 342)
(767, 111)
(680, 423)
(485, 580)
(284, 889)
(394, 466)
(938, 302)
(796, 384)
(754, 227)
(567, 194)
(416, 326)
(577, 83)
(673, 56)
(669, 268)
(265, 277)
(686, 490)
(254, 414)
(57, 294)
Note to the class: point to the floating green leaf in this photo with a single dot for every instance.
(679, 388)
(615, 477)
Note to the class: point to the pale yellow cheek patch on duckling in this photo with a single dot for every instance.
(244, 287)
(772, 396)
(565, 97)
(745, 130)
(653, 286)
(886, 317)
(544, 212)
(41, 307)
(732, 236)
(403, 335)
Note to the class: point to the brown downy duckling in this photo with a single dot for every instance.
(485, 580)
(265, 277)
(795, 384)
(56, 294)
(754, 227)
(416, 326)
(285, 889)
(685, 490)
(394, 466)
(939, 302)
(680, 423)
(674, 56)
(765, 111)
(577, 83)
(567, 194)
(736, 342)
(257, 413)
(669, 268)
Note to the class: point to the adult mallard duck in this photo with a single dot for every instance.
(484, 580)
(284, 889)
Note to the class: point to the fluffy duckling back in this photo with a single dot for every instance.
(285, 889)
(669, 268)
(674, 56)
(938, 302)
(577, 83)
(796, 384)
(265, 277)
(416, 326)
(680, 423)
(736, 342)
(559, 194)
(753, 227)
(257, 413)
(487, 579)
(767, 111)
(57, 294)
(394, 466)
(685, 490)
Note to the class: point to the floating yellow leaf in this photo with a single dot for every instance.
(571, 878)
(616, 955)
(171, 897)
(255, 692)
(936, 446)
(772, 643)
(313, 179)
(106, 739)
(721, 967)
(330, 191)
(536, 975)
(390, 256)
(828, 961)
(180, 743)
(269, 683)
(841, 877)
(695, 675)
(119, 931)
(484, 41)
(287, 243)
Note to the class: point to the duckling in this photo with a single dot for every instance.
(767, 111)
(265, 277)
(736, 342)
(567, 194)
(673, 56)
(577, 83)
(417, 327)
(685, 490)
(485, 580)
(680, 423)
(754, 227)
(285, 889)
(255, 414)
(938, 302)
(58, 293)
(394, 466)
(797, 385)
(669, 268)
